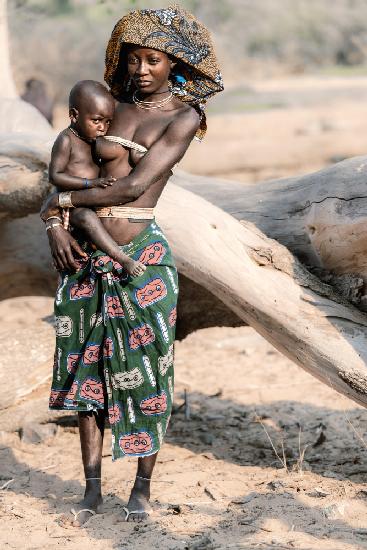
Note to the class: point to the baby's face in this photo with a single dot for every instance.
(94, 117)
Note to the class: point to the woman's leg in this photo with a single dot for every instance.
(91, 431)
(89, 222)
(140, 493)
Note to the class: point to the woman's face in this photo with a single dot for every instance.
(149, 69)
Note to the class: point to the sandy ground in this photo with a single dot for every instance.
(274, 128)
(220, 481)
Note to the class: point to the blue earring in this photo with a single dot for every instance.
(180, 79)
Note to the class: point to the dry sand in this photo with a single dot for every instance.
(278, 128)
(219, 482)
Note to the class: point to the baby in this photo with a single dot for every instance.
(73, 163)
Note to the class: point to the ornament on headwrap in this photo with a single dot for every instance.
(196, 76)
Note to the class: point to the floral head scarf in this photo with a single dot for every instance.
(174, 31)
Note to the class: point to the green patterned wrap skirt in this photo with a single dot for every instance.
(114, 343)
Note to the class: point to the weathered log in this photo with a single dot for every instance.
(321, 217)
(258, 278)
(264, 284)
(23, 184)
(25, 267)
(267, 287)
(19, 116)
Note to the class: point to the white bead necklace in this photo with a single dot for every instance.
(148, 105)
(78, 135)
(127, 143)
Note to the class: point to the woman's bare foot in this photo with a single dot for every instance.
(138, 506)
(92, 501)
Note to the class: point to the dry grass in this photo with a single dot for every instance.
(282, 459)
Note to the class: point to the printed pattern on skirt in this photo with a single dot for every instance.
(114, 343)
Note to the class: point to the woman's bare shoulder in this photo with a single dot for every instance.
(187, 116)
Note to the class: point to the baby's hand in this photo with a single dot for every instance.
(103, 182)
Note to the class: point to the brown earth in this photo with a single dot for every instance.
(220, 480)
(280, 128)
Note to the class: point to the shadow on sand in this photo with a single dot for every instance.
(242, 435)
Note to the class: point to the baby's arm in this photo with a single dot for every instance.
(60, 158)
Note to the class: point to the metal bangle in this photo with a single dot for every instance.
(65, 200)
(51, 225)
(54, 218)
(86, 182)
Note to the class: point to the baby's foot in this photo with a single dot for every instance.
(135, 269)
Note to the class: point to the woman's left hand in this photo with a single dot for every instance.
(50, 207)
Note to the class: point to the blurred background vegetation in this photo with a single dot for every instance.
(62, 41)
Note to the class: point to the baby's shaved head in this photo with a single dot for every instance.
(86, 91)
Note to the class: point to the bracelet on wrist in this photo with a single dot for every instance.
(64, 199)
(53, 218)
(52, 225)
(86, 182)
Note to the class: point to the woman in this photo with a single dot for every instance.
(114, 348)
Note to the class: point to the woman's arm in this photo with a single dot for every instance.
(158, 161)
(162, 156)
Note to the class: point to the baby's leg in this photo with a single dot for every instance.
(88, 221)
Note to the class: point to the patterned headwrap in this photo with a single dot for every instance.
(195, 77)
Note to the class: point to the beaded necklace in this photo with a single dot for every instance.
(149, 105)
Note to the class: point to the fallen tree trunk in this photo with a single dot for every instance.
(321, 217)
(265, 285)
(268, 288)
(23, 182)
(256, 277)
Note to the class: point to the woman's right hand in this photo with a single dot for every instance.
(63, 246)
